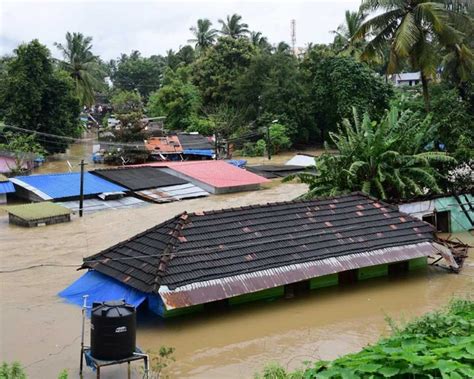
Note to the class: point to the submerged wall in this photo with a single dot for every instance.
(156, 304)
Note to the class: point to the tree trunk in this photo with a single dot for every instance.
(426, 94)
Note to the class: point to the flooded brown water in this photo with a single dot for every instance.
(74, 154)
(40, 330)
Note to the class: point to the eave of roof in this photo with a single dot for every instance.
(218, 289)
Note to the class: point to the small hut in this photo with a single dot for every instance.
(38, 214)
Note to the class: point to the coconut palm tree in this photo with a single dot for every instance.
(204, 35)
(346, 31)
(259, 41)
(82, 65)
(384, 159)
(412, 29)
(233, 27)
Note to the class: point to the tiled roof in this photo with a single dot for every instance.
(216, 173)
(139, 178)
(164, 145)
(65, 185)
(213, 245)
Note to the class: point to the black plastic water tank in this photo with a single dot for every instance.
(113, 330)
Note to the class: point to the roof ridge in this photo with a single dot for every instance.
(93, 257)
(283, 202)
(167, 254)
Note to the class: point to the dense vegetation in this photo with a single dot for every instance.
(437, 345)
(234, 83)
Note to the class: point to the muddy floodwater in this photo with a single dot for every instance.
(40, 330)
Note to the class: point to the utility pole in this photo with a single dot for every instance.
(81, 193)
(216, 145)
(269, 146)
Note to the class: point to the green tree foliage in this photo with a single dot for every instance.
(36, 97)
(279, 138)
(134, 72)
(413, 29)
(336, 84)
(128, 108)
(216, 72)
(451, 117)
(82, 65)
(178, 100)
(204, 34)
(12, 371)
(233, 27)
(343, 41)
(23, 146)
(384, 159)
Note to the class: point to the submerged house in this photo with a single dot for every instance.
(6, 187)
(449, 214)
(230, 256)
(151, 183)
(63, 186)
(214, 176)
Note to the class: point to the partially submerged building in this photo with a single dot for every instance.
(38, 214)
(152, 183)
(302, 159)
(449, 214)
(230, 256)
(63, 186)
(275, 171)
(196, 145)
(6, 187)
(214, 176)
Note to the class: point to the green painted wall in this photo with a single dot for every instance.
(373, 272)
(270, 293)
(414, 264)
(320, 282)
(459, 220)
(324, 281)
(183, 311)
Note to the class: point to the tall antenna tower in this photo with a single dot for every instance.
(293, 36)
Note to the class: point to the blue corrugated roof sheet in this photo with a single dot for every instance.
(65, 185)
(6, 187)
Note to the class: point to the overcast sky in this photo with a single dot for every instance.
(154, 26)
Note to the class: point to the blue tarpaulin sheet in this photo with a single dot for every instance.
(207, 153)
(237, 162)
(100, 288)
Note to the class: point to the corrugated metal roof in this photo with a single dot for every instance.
(172, 193)
(65, 185)
(6, 186)
(274, 171)
(406, 76)
(139, 178)
(218, 289)
(94, 205)
(194, 142)
(217, 173)
(216, 246)
(37, 211)
(301, 160)
(164, 145)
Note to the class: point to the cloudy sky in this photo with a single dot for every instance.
(154, 26)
